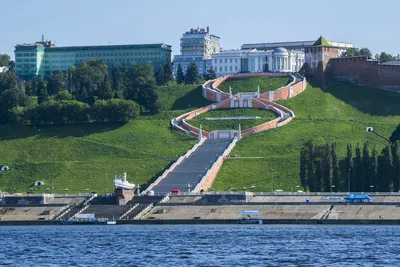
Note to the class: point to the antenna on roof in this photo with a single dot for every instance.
(42, 37)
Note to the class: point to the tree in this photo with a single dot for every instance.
(365, 52)
(358, 170)
(105, 89)
(12, 98)
(349, 165)
(365, 161)
(318, 176)
(180, 77)
(374, 169)
(384, 57)
(396, 163)
(8, 80)
(63, 95)
(160, 77)
(311, 165)
(56, 82)
(387, 167)
(303, 168)
(211, 74)
(41, 90)
(335, 168)
(192, 74)
(395, 135)
(326, 168)
(168, 75)
(4, 60)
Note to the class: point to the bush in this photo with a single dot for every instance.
(114, 110)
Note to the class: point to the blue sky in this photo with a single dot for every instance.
(372, 24)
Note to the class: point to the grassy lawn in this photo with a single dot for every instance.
(87, 156)
(209, 125)
(339, 114)
(251, 84)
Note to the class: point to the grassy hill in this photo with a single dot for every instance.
(339, 114)
(87, 156)
(251, 84)
(211, 125)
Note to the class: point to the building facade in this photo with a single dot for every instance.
(296, 45)
(43, 58)
(197, 45)
(244, 61)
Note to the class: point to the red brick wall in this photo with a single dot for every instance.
(363, 71)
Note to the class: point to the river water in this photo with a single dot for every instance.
(200, 245)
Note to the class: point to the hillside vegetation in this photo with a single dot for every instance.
(339, 114)
(251, 84)
(87, 156)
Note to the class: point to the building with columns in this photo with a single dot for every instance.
(197, 45)
(253, 61)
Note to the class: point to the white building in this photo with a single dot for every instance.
(3, 69)
(197, 45)
(278, 60)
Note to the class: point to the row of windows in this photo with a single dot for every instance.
(226, 60)
(20, 60)
(230, 69)
(25, 54)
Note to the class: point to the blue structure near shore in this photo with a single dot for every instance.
(357, 198)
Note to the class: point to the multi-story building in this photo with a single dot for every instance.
(297, 45)
(197, 45)
(43, 58)
(278, 60)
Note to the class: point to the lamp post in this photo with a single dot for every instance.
(332, 186)
(52, 183)
(348, 179)
(371, 188)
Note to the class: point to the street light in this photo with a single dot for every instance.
(371, 188)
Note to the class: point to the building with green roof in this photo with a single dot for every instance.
(43, 58)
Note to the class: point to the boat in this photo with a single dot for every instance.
(250, 217)
(122, 183)
(112, 222)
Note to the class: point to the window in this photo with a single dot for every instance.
(230, 60)
(220, 69)
(235, 60)
(220, 60)
(226, 68)
(230, 68)
(226, 61)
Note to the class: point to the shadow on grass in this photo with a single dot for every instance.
(12, 132)
(368, 100)
(193, 99)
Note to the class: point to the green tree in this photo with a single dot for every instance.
(192, 74)
(335, 168)
(8, 80)
(63, 95)
(396, 163)
(303, 168)
(160, 77)
(365, 52)
(4, 60)
(56, 82)
(211, 74)
(105, 89)
(41, 90)
(326, 168)
(387, 167)
(168, 75)
(358, 170)
(395, 135)
(384, 57)
(180, 77)
(311, 165)
(318, 177)
(366, 167)
(374, 169)
(350, 165)
(12, 98)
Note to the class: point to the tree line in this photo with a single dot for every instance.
(382, 57)
(82, 93)
(363, 169)
(192, 75)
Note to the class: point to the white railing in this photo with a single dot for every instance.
(143, 212)
(80, 211)
(128, 211)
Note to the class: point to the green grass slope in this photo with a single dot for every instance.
(339, 114)
(251, 84)
(211, 125)
(87, 156)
